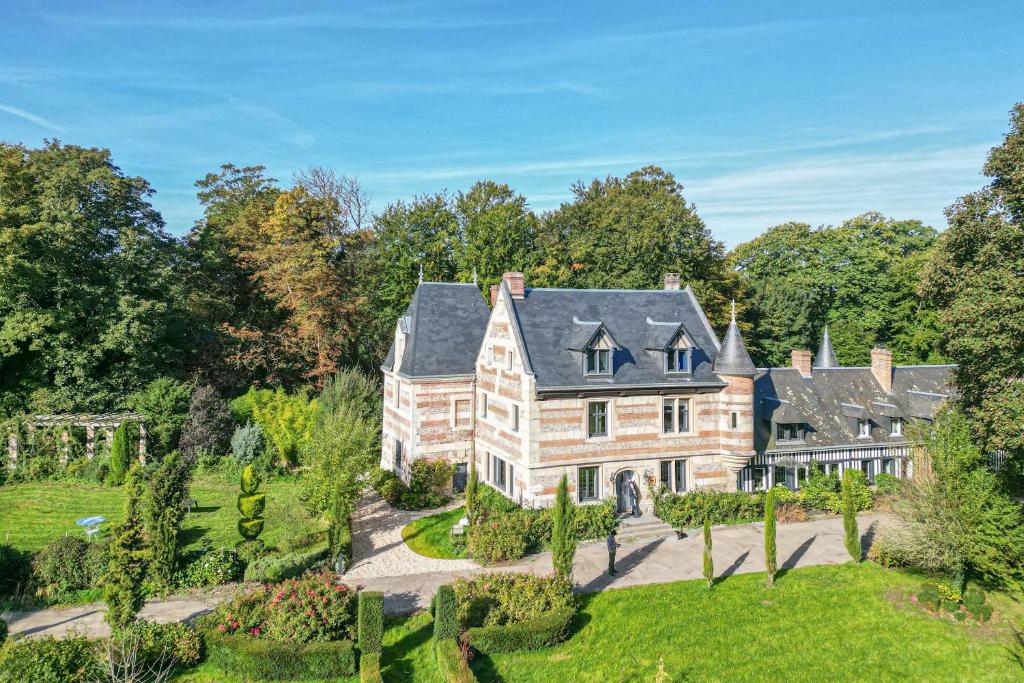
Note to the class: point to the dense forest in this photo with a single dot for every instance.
(280, 284)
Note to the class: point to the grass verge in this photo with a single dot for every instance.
(431, 536)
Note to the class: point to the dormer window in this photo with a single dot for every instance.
(789, 431)
(896, 426)
(863, 429)
(599, 361)
(677, 360)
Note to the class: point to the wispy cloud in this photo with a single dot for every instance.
(32, 118)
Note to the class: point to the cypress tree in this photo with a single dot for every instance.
(770, 561)
(471, 490)
(123, 581)
(120, 455)
(164, 511)
(709, 565)
(563, 536)
(850, 517)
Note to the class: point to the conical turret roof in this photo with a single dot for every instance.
(733, 358)
(826, 357)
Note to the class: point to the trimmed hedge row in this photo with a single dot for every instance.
(453, 667)
(545, 630)
(256, 658)
(273, 569)
(369, 668)
(371, 622)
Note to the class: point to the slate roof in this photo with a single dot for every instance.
(543, 321)
(733, 358)
(831, 400)
(446, 323)
(826, 357)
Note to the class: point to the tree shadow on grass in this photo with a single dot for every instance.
(794, 557)
(484, 669)
(191, 535)
(732, 568)
(400, 662)
(1016, 647)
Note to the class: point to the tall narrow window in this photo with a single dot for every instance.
(587, 478)
(398, 392)
(508, 361)
(597, 418)
(666, 474)
(667, 413)
(675, 415)
(734, 420)
(896, 427)
(598, 361)
(683, 421)
(398, 455)
(676, 360)
(680, 476)
(483, 404)
(863, 428)
(515, 418)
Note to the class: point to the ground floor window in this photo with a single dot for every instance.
(760, 478)
(398, 455)
(889, 466)
(865, 467)
(587, 484)
(673, 475)
(501, 474)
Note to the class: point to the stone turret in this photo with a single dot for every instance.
(734, 365)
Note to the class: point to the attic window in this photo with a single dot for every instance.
(677, 360)
(789, 431)
(863, 429)
(896, 426)
(599, 361)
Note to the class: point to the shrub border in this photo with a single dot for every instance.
(548, 629)
(260, 658)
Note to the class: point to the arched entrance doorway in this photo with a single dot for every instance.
(622, 492)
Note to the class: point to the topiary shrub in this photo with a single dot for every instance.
(371, 622)
(60, 567)
(250, 551)
(451, 662)
(272, 568)
(545, 630)
(251, 505)
(369, 668)
(446, 623)
(280, 660)
(709, 564)
(247, 443)
(68, 660)
(850, 506)
(770, 558)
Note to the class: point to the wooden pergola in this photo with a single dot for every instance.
(108, 422)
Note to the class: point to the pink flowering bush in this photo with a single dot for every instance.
(500, 599)
(316, 608)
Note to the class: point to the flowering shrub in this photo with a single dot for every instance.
(500, 599)
(501, 538)
(207, 567)
(314, 608)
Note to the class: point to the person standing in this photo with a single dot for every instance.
(612, 545)
(634, 493)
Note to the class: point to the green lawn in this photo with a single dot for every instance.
(431, 536)
(848, 622)
(33, 514)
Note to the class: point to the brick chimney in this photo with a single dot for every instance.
(801, 360)
(881, 368)
(671, 280)
(494, 295)
(515, 284)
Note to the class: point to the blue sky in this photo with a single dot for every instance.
(812, 111)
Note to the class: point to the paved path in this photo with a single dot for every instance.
(737, 549)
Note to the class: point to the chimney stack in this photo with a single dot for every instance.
(881, 368)
(494, 295)
(801, 360)
(515, 284)
(671, 280)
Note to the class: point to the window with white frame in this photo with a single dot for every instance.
(587, 480)
(673, 475)
(398, 455)
(599, 361)
(896, 426)
(868, 470)
(863, 428)
(515, 418)
(759, 478)
(889, 466)
(789, 431)
(501, 474)
(677, 360)
(597, 418)
(675, 415)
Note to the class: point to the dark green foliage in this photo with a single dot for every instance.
(975, 281)
(3, 631)
(61, 567)
(272, 568)
(164, 402)
(709, 564)
(207, 429)
(280, 660)
(472, 490)
(429, 485)
(563, 536)
(15, 569)
(122, 451)
(504, 598)
(371, 622)
(543, 631)
(451, 662)
(157, 645)
(369, 668)
(851, 534)
(770, 559)
(974, 599)
(123, 586)
(592, 522)
(339, 532)
(250, 505)
(886, 483)
(250, 551)
(205, 567)
(688, 511)
(929, 596)
(48, 660)
(167, 490)
(446, 623)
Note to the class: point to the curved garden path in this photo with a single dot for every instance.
(379, 550)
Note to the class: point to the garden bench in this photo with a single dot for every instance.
(188, 504)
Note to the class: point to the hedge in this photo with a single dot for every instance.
(533, 634)
(453, 667)
(275, 568)
(278, 660)
(369, 668)
(446, 623)
(371, 622)
(346, 542)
